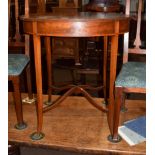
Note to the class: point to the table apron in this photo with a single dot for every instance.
(76, 28)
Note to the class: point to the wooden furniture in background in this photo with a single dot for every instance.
(132, 77)
(97, 24)
(15, 37)
(68, 6)
(66, 47)
(15, 9)
(50, 4)
(104, 6)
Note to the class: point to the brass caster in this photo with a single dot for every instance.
(37, 136)
(48, 103)
(116, 140)
(28, 100)
(124, 109)
(21, 126)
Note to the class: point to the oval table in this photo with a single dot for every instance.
(83, 24)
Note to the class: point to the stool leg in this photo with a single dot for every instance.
(18, 104)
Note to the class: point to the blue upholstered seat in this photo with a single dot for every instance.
(132, 75)
(17, 63)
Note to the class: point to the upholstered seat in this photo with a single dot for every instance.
(132, 75)
(17, 63)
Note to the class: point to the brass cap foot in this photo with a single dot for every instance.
(48, 102)
(37, 136)
(21, 126)
(28, 100)
(116, 140)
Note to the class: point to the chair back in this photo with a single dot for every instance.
(26, 7)
(14, 37)
(41, 6)
(137, 43)
(27, 37)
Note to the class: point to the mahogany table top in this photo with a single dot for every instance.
(82, 24)
(80, 16)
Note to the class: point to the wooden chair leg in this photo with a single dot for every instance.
(123, 108)
(18, 104)
(118, 98)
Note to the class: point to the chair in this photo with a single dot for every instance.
(17, 63)
(132, 77)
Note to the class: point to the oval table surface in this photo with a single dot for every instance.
(82, 24)
(77, 16)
